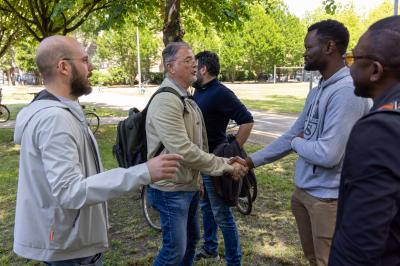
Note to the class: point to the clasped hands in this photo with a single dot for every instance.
(240, 167)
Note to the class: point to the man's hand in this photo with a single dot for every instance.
(164, 166)
(301, 135)
(245, 162)
(237, 159)
(238, 170)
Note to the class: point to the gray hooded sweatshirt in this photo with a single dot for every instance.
(61, 212)
(330, 111)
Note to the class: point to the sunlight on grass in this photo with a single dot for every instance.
(268, 236)
(276, 103)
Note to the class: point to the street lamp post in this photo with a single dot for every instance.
(138, 57)
(396, 7)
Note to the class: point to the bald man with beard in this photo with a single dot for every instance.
(61, 212)
(368, 216)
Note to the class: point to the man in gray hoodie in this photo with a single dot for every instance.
(61, 213)
(319, 136)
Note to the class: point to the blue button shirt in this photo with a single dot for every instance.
(219, 104)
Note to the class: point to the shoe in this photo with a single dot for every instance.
(203, 254)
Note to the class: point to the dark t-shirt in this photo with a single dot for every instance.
(219, 104)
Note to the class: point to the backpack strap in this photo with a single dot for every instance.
(160, 90)
(170, 90)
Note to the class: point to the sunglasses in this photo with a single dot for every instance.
(349, 58)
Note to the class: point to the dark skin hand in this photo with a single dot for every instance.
(245, 162)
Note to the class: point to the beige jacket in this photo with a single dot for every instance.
(182, 132)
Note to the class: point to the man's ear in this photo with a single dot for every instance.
(203, 70)
(330, 47)
(63, 68)
(377, 71)
(170, 68)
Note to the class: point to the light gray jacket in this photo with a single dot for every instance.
(61, 212)
(330, 111)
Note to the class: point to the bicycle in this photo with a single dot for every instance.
(4, 112)
(92, 119)
(151, 215)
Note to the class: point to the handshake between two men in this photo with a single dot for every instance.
(167, 165)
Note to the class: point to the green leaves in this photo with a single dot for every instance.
(330, 6)
(255, 45)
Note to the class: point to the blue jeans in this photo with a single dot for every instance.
(179, 224)
(95, 260)
(217, 214)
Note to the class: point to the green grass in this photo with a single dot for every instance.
(280, 104)
(14, 109)
(100, 111)
(268, 235)
(105, 111)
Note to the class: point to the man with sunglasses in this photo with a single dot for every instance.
(61, 213)
(319, 137)
(368, 218)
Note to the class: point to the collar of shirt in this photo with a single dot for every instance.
(209, 84)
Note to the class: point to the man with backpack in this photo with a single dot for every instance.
(368, 218)
(61, 213)
(174, 122)
(218, 105)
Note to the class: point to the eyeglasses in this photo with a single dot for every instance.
(84, 59)
(349, 58)
(187, 61)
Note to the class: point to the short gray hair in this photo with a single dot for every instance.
(170, 51)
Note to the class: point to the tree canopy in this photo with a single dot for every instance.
(43, 18)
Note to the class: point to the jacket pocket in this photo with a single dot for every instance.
(63, 228)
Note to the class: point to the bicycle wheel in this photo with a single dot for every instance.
(245, 203)
(93, 121)
(253, 193)
(4, 113)
(151, 215)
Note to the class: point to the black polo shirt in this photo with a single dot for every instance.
(219, 104)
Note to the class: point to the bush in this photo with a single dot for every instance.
(240, 75)
(118, 76)
(251, 75)
(155, 77)
(99, 78)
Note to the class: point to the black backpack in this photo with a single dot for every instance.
(130, 147)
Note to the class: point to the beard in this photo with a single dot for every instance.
(312, 66)
(198, 83)
(362, 91)
(79, 84)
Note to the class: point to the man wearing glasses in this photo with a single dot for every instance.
(319, 137)
(177, 123)
(368, 218)
(61, 213)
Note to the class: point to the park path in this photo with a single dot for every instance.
(267, 125)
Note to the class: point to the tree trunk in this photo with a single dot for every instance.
(172, 31)
(8, 73)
